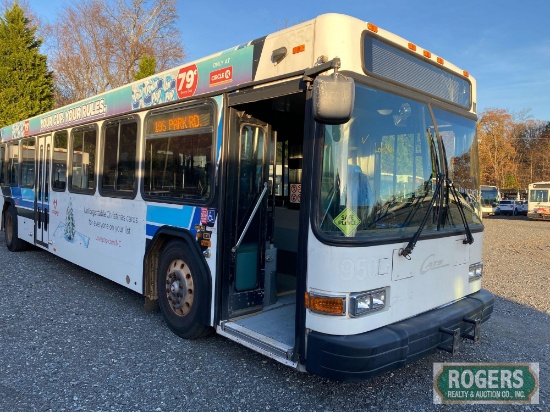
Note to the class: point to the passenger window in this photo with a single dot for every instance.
(59, 163)
(2, 162)
(178, 154)
(12, 164)
(119, 158)
(27, 163)
(83, 154)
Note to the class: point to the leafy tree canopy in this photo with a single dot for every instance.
(26, 84)
(146, 67)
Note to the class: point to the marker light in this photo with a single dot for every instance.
(298, 49)
(427, 54)
(465, 73)
(326, 305)
(363, 303)
(372, 27)
(412, 46)
(440, 60)
(475, 271)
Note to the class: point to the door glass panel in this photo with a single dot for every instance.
(251, 170)
(40, 174)
(27, 163)
(47, 173)
(59, 165)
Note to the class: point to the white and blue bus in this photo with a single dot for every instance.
(305, 194)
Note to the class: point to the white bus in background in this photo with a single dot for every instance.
(490, 198)
(262, 193)
(539, 201)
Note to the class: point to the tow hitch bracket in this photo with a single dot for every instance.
(454, 341)
(476, 331)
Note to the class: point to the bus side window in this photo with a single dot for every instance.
(83, 155)
(59, 164)
(27, 163)
(2, 162)
(119, 158)
(12, 166)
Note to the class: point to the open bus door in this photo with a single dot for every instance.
(42, 192)
(246, 211)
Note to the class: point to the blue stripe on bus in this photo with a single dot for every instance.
(26, 203)
(150, 230)
(178, 217)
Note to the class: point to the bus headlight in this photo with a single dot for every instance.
(363, 303)
(475, 271)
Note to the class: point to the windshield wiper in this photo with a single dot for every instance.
(436, 196)
(416, 204)
(469, 238)
(443, 206)
(412, 243)
(451, 187)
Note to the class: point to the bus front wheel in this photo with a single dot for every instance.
(182, 291)
(13, 242)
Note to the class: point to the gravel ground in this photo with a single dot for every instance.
(73, 341)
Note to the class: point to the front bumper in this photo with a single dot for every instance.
(538, 216)
(357, 357)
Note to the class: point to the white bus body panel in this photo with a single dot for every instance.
(431, 278)
(108, 235)
(325, 38)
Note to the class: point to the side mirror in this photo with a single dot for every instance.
(333, 98)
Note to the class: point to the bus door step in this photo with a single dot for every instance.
(278, 351)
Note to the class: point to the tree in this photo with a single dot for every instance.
(98, 46)
(531, 143)
(496, 151)
(26, 84)
(146, 67)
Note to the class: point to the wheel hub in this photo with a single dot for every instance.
(179, 287)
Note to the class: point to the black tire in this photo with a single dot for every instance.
(182, 307)
(13, 243)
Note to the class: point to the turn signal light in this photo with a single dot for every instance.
(327, 305)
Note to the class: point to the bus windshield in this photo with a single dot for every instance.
(489, 196)
(379, 170)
